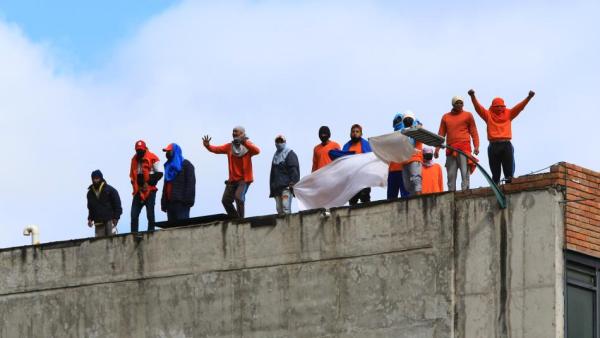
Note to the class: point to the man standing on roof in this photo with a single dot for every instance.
(433, 181)
(179, 190)
(104, 205)
(411, 169)
(395, 183)
(459, 128)
(321, 151)
(499, 122)
(239, 156)
(356, 145)
(144, 174)
(285, 172)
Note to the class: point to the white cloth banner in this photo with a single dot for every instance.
(393, 147)
(333, 185)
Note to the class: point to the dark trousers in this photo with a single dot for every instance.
(235, 192)
(177, 211)
(363, 195)
(136, 208)
(501, 155)
(396, 185)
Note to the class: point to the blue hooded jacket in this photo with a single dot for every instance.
(366, 148)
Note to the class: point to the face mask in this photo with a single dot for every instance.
(428, 157)
(140, 153)
(169, 155)
(280, 146)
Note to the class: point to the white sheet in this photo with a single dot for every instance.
(334, 184)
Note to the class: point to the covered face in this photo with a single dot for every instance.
(324, 134)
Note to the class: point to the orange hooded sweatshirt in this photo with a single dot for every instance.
(498, 118)
(240, 168)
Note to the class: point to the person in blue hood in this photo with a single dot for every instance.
(179, 190)
(395, 181)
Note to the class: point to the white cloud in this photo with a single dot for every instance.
(281, 68)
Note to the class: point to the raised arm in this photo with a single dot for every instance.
(481, 111)
(223, 149)
(514, 112)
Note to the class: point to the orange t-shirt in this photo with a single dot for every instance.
(432, 179)
(458, 128)
(321, 154)
(356, 148)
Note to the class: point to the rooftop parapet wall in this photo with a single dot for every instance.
(431, 266)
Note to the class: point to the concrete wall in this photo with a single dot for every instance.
(434, 266)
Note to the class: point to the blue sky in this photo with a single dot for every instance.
(81, 33)
(80, 86)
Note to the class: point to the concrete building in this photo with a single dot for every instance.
(444, 265)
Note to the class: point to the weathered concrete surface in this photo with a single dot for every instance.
(509, 266)
(426, 267)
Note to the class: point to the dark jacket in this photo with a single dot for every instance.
(183, 187)
(106, 207)
(284, 173)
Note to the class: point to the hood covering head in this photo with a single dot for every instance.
(397, 122)
(427, 163)
(282, 151)
(498, 102)
(237, 147)
(97, 174)
(174, 165)
(497, 106)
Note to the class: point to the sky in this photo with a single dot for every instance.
(80, 84)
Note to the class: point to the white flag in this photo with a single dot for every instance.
(337, 182)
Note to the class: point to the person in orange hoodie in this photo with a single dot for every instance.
(321, 151)
(144, 174)
(432, 179)
(239, 156)
(459, 128)
(499, 122)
